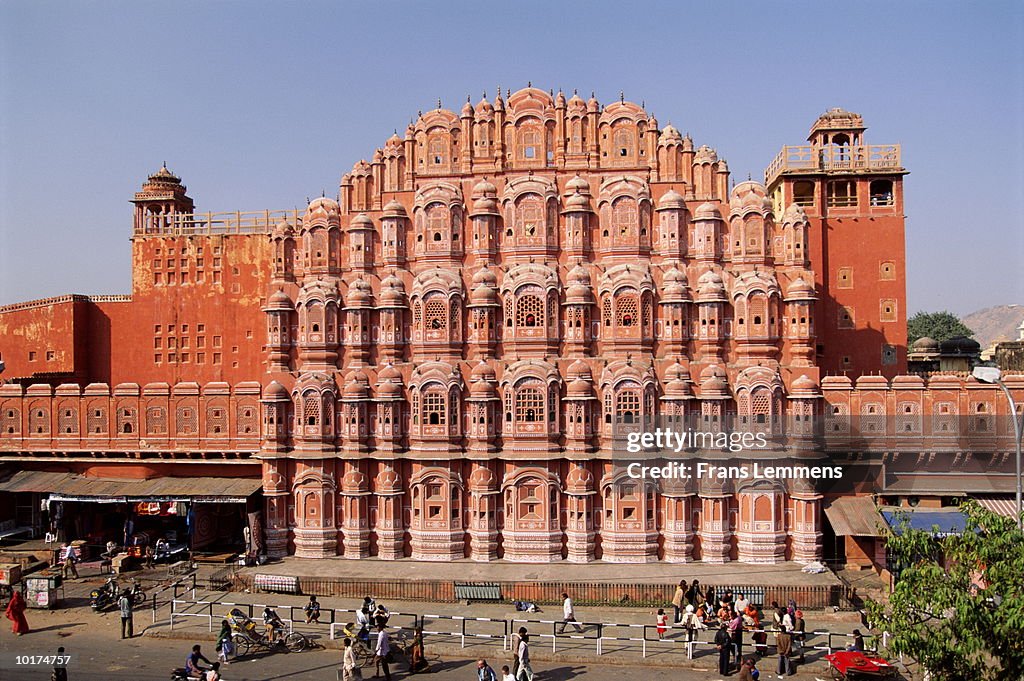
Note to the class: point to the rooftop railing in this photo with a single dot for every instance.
(184, 224)
(833, 158)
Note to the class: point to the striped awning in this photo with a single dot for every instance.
(1003, 505)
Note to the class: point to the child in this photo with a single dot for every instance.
(662, 623)
(506, 673)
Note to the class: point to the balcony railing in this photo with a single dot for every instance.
(832, 158)
(178, 224)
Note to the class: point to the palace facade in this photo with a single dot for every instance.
(442, 361)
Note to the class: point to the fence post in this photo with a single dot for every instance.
(463, 632)
(554, 638)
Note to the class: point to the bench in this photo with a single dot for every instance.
(287, 584)
(482, 592)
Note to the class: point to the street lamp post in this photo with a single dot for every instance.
(994, 375)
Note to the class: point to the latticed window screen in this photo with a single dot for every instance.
(438, 150)
(761, 405)
(38, 420)
(10, 421)
(187, 420)
(529, 311)
(434, 412)
(96, 419)
(127, 420)
(627, 404)
(647, 313)
(606, 311)
(837, 418)
(156, 421)
(417, 313)
(530, 404)
(246, 418)
(626, 311)
(530, 217)
(437, 222)
(436, 314)
(67, 421)
(217, 419)
(872, 418)
(453, 320)
(625, 218)
(530, 143)
(908, 417)
(311, 409)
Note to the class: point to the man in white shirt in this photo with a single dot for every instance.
(525, 672)
(568, 614)
(383, 650)
(741, 603)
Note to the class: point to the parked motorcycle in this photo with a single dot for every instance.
(104, 597)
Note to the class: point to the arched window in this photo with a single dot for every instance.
(437, 150)
(628, 403)
(311, 409)
(530, 217)
(437, 223)
(435, 412)
(436, 313)
(627, 310)
(530, 402)
(531, 142)
(529, 311)
(623, 145)
(625, 221)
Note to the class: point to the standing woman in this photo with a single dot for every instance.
(225, 647)
(16, 614)
(677, 601)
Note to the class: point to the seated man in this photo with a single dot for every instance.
(192, 666)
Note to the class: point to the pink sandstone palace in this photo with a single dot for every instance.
(435, 364)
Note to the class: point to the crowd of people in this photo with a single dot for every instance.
(699, 608)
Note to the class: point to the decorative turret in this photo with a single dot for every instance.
(162, 198)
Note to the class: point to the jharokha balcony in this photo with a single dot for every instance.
(843, 158)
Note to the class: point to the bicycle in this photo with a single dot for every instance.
(365, 656)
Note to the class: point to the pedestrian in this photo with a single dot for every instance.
(736, 632)
(691, 623)
(69, 560)
(60, 666)
(312, 611)
(225, 646)
(784, 647)
(516, 638)
(213, 673)
(349, 669)
(525, 670)
(693, 593)
(677, 601)
(16, 613)
(506, 673)
(417, 654)
(709, 598)
(484, 671)
(723, 642)
(568, 614)
(662, 621)
(124, 604)
(383, 653)
(799, 635)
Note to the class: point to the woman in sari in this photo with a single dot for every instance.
(16, 614)
(417, 656)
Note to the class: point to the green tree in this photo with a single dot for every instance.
(958, 604)
(938, 325)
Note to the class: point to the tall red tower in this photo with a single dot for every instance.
(852, 193)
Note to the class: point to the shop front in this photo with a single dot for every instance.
(165, 518)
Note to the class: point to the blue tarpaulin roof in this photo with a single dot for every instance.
(946, 522)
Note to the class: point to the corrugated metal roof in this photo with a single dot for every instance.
(939, 521)
(956, 484)
(71, 484)
(854, 517)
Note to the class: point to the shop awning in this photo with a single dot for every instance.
(949, 484)
(74, 487)
(854, 517)
(1003, 505)
(939, 522)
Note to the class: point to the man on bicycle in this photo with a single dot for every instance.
(272, 624)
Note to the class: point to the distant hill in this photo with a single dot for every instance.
(995, 323)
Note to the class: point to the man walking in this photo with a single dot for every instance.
(348, 661)
(724, 643)
(568, 615)
(799, 634)
(516, 639)
(383, 652)
(125, 605)
(525, 670)
(69, 559)
(484, 671)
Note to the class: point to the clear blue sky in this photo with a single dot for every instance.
(261, 104)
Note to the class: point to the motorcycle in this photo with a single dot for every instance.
(179, 674)
(104, 597)
(136, 593)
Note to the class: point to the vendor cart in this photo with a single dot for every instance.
(847, 665)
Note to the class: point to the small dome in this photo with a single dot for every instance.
(560, 99)
(579, 275)
(484, 188)
(677, 382)
(361, 221)
(325, 205)
(283, 228)
(804, 386)
(669, 136)
(579, 480)
(577, 203)
(707, 211)
(482, 479)
(675, 286)
(359, 293)
(800, 289)
(593, 104)
(483, 106)
(960, 345)
(388, 481)
(925, 344)
(795, 213)
(710, 287)
(483, 371)
(354, 481)
(577, 184)
(485, 277)
(467, 109)
(164, 175)
(389, 383)
(579, 369)
(394, 209)
(672, 199)
(713, 382)
(275, 391)
(356, 384)
(280, 301)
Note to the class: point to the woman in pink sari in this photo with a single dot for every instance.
(16, 614)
